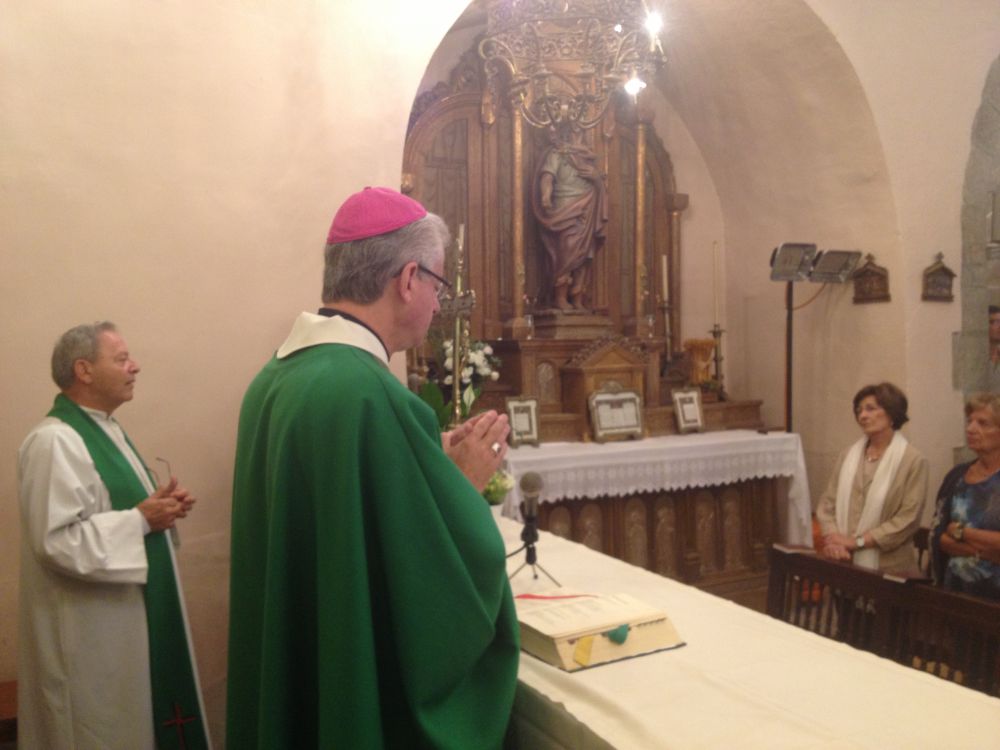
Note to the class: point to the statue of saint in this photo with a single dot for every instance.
(571, 207)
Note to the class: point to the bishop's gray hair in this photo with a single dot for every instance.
(358, 271)
(81, 342)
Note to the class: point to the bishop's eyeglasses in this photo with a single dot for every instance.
(442, 287)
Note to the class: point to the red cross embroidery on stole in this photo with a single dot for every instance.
(179, 721)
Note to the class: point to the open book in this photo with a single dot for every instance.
(572, 630)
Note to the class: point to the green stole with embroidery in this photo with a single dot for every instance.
(177, 718)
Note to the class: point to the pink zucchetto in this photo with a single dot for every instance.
(371, 212)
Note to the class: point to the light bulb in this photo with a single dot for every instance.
(634, 85)
(654, 23)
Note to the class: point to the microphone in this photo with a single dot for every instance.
(531, 488)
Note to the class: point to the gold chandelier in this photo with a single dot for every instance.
(563, 59)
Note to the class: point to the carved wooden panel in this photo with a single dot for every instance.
(590, 526)
(560, 522)
(715, 538)
(636, 533)
(706, 530)
(733, 530)
(547, 380)
(665, 536)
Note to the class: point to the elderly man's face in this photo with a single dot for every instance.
(110, 378)
(995, 328)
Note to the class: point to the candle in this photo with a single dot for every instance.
(715, 281)
(666, 280)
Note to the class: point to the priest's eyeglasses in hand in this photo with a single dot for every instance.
(156, 476)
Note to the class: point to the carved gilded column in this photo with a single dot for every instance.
(640, 225)
(517, 327)
(638, 325)
(518, 215)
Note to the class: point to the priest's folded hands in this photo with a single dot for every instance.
(478, 446)
(170, 502)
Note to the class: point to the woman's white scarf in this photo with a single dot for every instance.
(875, 499)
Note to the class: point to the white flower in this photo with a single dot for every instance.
(483, 370)
(466, 373)
(447, 346)
(494, 375)
(448, 364)
(447, 379)
(487, 349)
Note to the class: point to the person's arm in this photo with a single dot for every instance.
(902, 525)
(942, 517)
(833, 544)
(67, 523)
(975, 542)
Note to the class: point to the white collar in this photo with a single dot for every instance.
(311, 329)
(99, 414)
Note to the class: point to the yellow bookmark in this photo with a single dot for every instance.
(581, 654)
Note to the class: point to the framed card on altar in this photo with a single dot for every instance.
(687, 409)
(615, 414)
(523, 415)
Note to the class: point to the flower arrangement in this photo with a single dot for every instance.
(437, 392)
(497, 488)
(481, 365)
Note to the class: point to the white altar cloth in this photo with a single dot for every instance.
(668, 462)
(744, 680)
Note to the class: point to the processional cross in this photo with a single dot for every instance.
(460, 304)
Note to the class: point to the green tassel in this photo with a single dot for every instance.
(618, 635)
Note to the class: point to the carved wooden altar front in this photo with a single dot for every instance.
(715, 538)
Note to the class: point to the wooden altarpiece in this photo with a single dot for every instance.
(469, 160)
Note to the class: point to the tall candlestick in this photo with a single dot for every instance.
(995, 223)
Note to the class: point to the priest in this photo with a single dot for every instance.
(370, 606)
(104, 660)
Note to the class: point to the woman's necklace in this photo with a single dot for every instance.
(871, 455)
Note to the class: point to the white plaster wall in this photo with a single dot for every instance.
(174, 166)
(788, 136)
(845, 124)
(922, 65)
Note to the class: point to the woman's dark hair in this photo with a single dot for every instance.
(889, 397)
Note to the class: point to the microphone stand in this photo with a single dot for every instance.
(529, 535)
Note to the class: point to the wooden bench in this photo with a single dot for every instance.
(899, 616)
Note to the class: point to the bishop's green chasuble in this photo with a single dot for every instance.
(370, 605)
(176, 705)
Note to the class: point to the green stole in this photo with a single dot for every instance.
(177, 718)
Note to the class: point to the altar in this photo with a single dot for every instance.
(743, 679)
(700, 508)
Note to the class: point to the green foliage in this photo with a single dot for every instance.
(431, 395)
